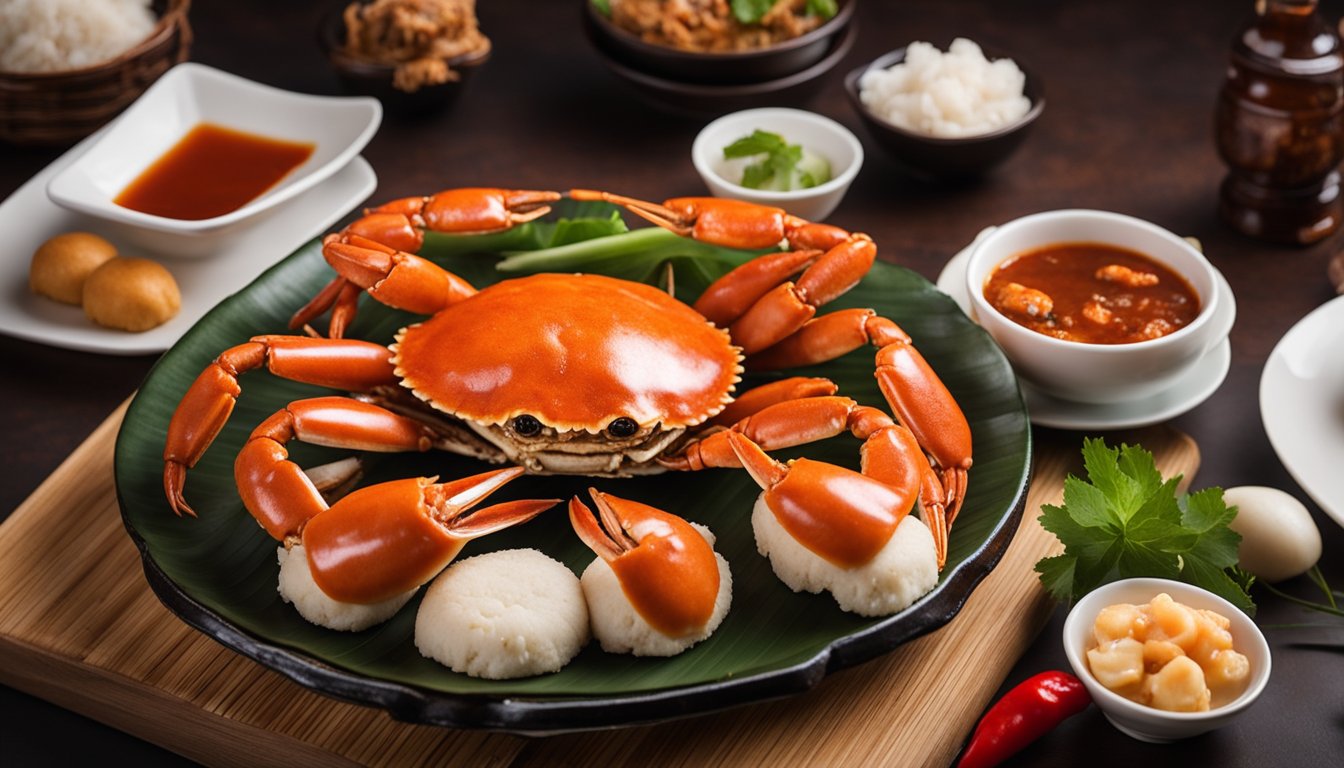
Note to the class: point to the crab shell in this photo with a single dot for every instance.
(576, 352)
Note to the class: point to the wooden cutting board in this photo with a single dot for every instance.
(80, 627)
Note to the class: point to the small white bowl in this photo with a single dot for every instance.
(821, 135)
(190, 94)
(1100, 373)
(1147, 723)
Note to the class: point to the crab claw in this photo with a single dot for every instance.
(666, 568)
(390, 538)
(840, 515)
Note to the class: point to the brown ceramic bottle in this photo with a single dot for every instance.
(1278, 124)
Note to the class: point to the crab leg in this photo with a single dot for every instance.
(390, 538)
(727, 298)
(665, 567)
(759, 398)
(730, 223)
(760, 309)
(280, 495)
(341, 297)
(471, 210)
(916, 394)
(890, 453)
(375, 542)
(788, 306)
(783, 425)
(395, 278)
(376, 252)
(338, 363)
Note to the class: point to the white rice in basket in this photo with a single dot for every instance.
(947, 95)
(59, 35)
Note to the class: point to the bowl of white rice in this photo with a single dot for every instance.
(946, 114)
(69, 66)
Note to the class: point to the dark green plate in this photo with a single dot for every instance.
(218, 572)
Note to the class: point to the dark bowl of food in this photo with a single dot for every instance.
(643, 36)
(945, 150)
(709, 99)
(410, 74)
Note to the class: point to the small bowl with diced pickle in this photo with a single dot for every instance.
(1165, 660)
(787, 158)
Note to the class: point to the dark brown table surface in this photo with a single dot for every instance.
(1130, 86)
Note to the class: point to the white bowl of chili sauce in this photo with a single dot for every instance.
(1096, 307)
(204, 152)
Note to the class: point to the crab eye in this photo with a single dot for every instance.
(526, 425)
(622, 427)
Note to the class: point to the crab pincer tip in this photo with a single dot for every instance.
(764, 470)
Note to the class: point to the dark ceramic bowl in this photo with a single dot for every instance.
(363, 78)
(753, 67)
(946, 158)
(703, 99)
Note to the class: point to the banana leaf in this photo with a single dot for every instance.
(218, 571)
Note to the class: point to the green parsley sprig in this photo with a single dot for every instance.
(1126, 521)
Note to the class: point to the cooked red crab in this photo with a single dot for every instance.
(575, 374)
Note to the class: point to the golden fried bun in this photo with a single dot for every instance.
(62, 264)
(131, 294)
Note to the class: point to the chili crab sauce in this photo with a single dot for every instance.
(1093, 293)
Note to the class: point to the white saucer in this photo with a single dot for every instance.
(1302, 404)
(28, 218)
(1049, 411)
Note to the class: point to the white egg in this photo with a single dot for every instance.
(1279, 540)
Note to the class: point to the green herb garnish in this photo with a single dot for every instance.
(783, 166)
(751, 11)
(823, 8)
(603, 7)
(1126, 521)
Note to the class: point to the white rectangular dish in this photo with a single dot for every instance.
(28, 218)
(190, 95)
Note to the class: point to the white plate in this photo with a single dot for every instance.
(1047, 411)
(191, 94)
(1302, 404)
(28, 218)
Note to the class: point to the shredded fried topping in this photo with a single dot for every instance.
(419, 37)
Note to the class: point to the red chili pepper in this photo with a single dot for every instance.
(1023, 715)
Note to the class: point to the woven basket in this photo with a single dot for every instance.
(60, 108)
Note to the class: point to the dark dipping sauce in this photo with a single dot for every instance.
(1093, 293)
(210, 172)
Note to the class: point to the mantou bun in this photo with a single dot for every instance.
(503, 615)
(131, 294)
(62, 264)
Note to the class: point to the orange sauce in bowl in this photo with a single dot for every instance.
(212, 171)
(1093, 293)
